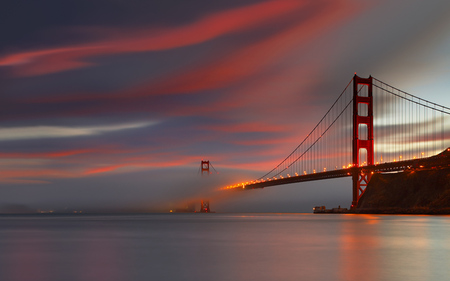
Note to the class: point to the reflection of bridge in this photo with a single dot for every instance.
(372, 127)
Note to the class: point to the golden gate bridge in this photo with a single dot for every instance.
(372, 127)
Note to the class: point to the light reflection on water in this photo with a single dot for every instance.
(224, 247)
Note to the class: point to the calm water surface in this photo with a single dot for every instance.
(224, 247)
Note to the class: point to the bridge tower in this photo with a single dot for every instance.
(204, 206)
(362, 133)
(205, 167)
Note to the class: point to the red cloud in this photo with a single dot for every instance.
(235, 20)
(246, 128)
(11, 175)
(104, 169)
(234, 68)
(154, 163)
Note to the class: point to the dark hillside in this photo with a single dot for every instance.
(417, 191)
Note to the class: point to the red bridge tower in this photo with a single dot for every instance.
(205, 167)
(204, 206)
(362, 143)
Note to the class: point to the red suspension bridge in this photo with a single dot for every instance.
(372, 127)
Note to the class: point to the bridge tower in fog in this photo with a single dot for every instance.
(204, 166)
(205, 207)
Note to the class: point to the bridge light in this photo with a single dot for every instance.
(314, 171)
(324, 169)
(288, 175)
(304, 172)
(296, 174)
(414, 157)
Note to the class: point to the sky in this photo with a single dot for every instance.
(111, 104)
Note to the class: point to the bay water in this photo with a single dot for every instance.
(224, 247)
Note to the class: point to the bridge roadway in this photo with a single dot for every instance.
(440, 160)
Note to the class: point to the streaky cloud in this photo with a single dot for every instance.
(45, 132)
(53, 60)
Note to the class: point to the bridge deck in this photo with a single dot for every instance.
(437, 161)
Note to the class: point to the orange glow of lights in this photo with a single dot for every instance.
(296, 174)
(314, 171)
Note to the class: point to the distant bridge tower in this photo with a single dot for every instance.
(205, 167)
(205, 207)
(362, 133)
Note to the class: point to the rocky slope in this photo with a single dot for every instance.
(408, 192)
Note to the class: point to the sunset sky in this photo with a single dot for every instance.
(113, 104)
